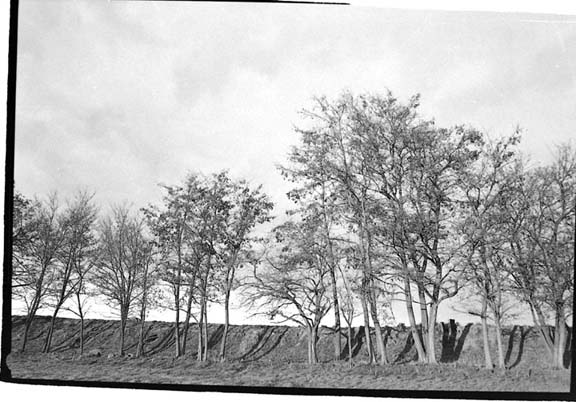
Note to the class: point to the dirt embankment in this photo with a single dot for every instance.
(458, 344)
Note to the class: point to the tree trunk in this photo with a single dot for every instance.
(200, 356)
(367, 329)
(540, 324)
(177, 325)
(123, 318)
(187, 319)
(431, 347)
(81, 314)
(499, 343)
(226, 324)
(312, 342)
(81, 334)
(27, 326)
(410, 309)
(205, 330)
(350, 344)
(379, 338)
(559, 338)
(337, 325)
(48, 340)
(140, 350)
(423, 311)
(484, 318)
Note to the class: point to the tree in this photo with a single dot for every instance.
(486, 185)
(38, 240)
(146, 288)
(249, 207)
(121, 264)
(330, 152)
(541, 219)
(292, 283)
(76, 226)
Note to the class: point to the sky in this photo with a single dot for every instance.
(118, 97)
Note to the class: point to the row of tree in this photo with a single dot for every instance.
(388, 206)
(179, 255)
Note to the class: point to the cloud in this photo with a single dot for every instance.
(122, 96)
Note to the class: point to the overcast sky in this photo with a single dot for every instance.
(118, 97)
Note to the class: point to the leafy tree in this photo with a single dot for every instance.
(293, 283)
(249, 207)
(485, 185)
(541, 219)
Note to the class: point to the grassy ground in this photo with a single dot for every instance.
(165, 370)
(275, 356)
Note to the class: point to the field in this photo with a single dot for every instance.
(275, 357)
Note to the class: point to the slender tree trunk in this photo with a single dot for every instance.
(123, 319)
(410, 309)
(177, 344)
(484, 320)
(140, 350)
(48, 340)
(423, 311)
(499, 343)
(188, 315)
(337, 325)
(540, 324)
(27, 326)
(81, 314)
(559, 338)
(29, 319)
(81, 334)
(431, 347)
(350, 343)
(226, 324)
(200, 356)
(205, 329)
(379, 338)
(367, 329)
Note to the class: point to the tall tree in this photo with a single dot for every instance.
(541, 216)
(122, 260)
(486, 185)
(77, 222)
(38, 239)
(249, 207)
(171, 226)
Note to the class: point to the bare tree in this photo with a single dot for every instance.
(122, 260)
(293, 284)
(35, 255)
(77, 230)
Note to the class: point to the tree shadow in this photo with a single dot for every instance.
(263, 341)
(358, 341)
(403, 355)
(452, 344)
(216, 336)
(568, 348)
(164, 343)
(523, 334)
(510, 346)
(349, 343)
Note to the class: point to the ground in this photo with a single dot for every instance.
(275, 357)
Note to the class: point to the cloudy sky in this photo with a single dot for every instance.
(118, 97)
